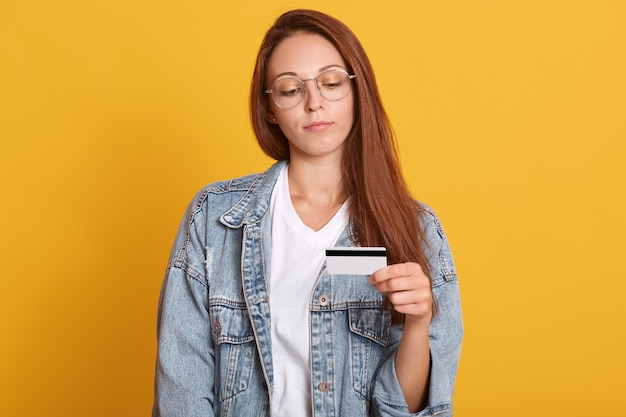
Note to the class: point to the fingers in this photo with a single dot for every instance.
(399, 277)
(395, 270)
(407, 287)
(398, 284)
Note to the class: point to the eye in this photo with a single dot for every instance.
(289, 93)
(331, 86)
(332, 80)
(288, 87)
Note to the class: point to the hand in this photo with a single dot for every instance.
(408, 289)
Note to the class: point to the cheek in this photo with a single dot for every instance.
(349, 115)
(350, 105)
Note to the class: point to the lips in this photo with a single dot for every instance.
(318, 126)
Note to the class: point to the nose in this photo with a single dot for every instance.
(313, 98)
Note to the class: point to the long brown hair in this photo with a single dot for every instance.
(382, 211)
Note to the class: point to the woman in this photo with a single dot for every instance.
(251, 323)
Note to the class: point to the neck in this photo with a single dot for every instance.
(316, 192)
(316, 182)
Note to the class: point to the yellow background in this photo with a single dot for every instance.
(511, 122)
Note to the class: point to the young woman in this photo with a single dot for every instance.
(251, 323)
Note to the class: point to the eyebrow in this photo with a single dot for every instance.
(324, 68)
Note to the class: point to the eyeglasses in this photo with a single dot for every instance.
(333, 85)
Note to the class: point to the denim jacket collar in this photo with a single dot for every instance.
(256, 201)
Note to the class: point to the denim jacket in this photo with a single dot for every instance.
(214, 349)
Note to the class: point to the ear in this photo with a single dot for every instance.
(270, 117)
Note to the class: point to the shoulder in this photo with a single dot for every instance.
(231, 190)
(236, 199)
(220, 193)
(436, 245)
(240, 184)
(430, 222)
(426, 213)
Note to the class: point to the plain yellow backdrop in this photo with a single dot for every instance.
(510, 116)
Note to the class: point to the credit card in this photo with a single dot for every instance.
(355, 261)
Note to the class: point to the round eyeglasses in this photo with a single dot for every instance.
(333, 85)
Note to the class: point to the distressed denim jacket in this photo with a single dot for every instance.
(214, 348)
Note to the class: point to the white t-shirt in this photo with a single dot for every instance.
(297, 257)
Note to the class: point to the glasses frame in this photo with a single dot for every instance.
(271, 90)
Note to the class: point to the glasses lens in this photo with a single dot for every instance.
(287, 92)
(334, 85)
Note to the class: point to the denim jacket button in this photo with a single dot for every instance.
(323, 386)
(217, 328)
(323, 300)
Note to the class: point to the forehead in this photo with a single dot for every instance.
(304, 55)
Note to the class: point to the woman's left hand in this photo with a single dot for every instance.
(408, 289)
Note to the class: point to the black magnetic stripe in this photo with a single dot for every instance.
(365, 252)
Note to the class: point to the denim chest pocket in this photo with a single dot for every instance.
(369, 335)
(234, 349)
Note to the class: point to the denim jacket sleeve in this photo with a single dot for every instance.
(185, 351)
(446, 334)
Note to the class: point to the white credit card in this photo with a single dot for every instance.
(355, 261)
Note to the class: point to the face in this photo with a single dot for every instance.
(316, 127)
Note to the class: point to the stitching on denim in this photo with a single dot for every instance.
(208, 265)
(225, 302)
